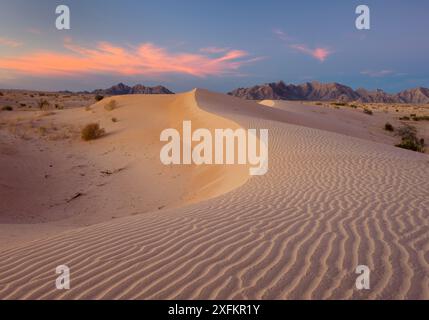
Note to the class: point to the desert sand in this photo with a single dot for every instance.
(336, 196)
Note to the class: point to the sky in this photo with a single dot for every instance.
(219, 45)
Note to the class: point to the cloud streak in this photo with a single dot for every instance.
(319, 53)
(9, 42)
(377, 74)
(144, 59)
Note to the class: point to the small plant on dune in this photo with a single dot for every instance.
(112, 105)
(99, 97)
(7, 108)
(92, 131)
(409, 139)
(388, 127)
(368, 111)
(114, 119)
(43, 104)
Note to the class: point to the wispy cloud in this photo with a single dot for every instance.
(9, 42)
(144, 59)
(34, 31)
(319, 53)
(377, 73)
(214, 50)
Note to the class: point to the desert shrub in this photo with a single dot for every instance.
(412, 115)
(404, 118)
(43, 104)
(99, 97)
(421, 118)
(319, 104)
(22, 104)
(92, 131)
(367, 111)
(339, 104)
(59, 107)
(88, 108)
(1, 94)
(114, 119)
(388, 127)
(409, 139)
(353, 106)
(111, 105)
(7, 108)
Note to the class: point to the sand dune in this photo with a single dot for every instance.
(328, 203)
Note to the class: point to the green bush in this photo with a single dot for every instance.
(92, 131)
(409, 139)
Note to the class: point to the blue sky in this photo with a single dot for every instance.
(219, 45)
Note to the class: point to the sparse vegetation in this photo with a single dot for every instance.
(410, 140)
(92, 131)
(319, 104)
(114, 119)
(339, 104)
(43, 104)
(354, 106)
(388, 127)
(111, 105)
(7, 108)
(99, 97)
(368, 111)
(405, 118)
(421, 118)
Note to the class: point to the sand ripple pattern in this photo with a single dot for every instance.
(328, 203)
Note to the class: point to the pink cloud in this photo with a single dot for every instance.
(106, 58)
(318, 53)
(9, 42)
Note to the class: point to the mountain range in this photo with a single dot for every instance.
(121, 89)
(317, 91)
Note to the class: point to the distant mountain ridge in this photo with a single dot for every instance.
(121, 89)
(317, 91)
